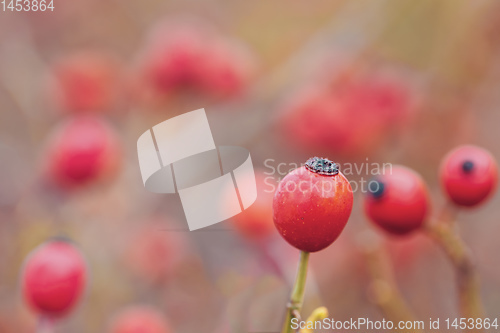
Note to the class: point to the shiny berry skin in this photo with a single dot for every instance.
(469, 175)
(81, 151)
(397, 201)
(54, 278)
(310, 209)
(139, 319)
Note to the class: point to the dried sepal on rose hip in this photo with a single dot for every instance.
(54, 278)
(469, 174)
(397, 201)
(312, 204)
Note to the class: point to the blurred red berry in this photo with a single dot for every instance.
(151, 252)
(86, 82)
(54, 277)
(174, 58)
(351, 117)
(312, 204)
(256, 222)
(82, 150)
(192, 57)
(385, 98)
(397, 201)
(226, 69)
(139, 319)
(469, 175)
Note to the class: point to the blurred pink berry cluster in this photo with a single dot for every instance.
(351, 114)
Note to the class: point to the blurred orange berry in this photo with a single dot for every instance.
(139, 319)
(87, 81)
(256, 222)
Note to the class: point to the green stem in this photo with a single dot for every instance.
(297, 297)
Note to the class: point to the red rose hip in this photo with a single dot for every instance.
(312, 204)
(54, 277)
(397, 201)
(81, 151)
(192, 57)
(469, 174)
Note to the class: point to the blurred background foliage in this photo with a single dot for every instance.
(444, 55)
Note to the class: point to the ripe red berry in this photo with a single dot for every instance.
(469, 175)
(82, 150)
(139, 319)
(86, 82)
(54, 277)
(312, 204)
(397, 201)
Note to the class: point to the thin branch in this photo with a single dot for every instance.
(448, 239)
(384, 290)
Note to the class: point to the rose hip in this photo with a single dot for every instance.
(192, 57)
(397, 201)
(226, 69)
(312, 204)
(54, 277)
(82, 150)
(351, 117)
(469, 175)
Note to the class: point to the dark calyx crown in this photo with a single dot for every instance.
(376, 188)
(467, 166)
(322, 166)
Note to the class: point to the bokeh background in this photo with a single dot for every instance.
(400, 81)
